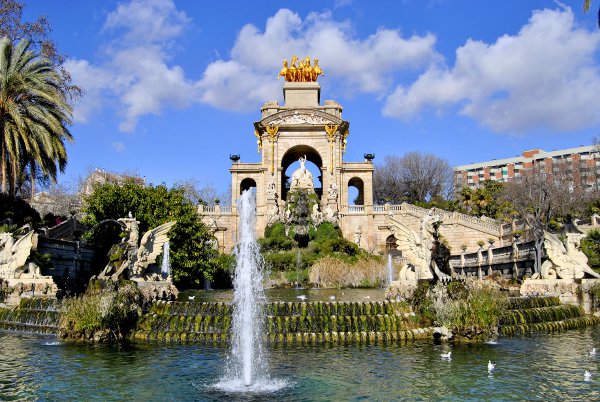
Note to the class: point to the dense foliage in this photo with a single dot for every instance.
(590, 245)
(17, 211)
(192, 253)
(282, 253)
(106, 312)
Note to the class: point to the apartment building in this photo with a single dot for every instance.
(578, 166)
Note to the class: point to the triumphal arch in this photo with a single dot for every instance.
(306, 129)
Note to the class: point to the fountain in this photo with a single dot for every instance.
(165, 268)
(390, 270)
(247, 370)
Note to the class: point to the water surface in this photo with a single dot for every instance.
(542, 367)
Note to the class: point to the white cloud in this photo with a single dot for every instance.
(359, 65)
(118, 146)
(134, 75)
(544, 76)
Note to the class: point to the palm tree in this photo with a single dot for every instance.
(34, 114)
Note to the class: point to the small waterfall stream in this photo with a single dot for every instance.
(390, 270)
(165, 268)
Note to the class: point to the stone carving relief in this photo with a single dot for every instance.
(332, 192)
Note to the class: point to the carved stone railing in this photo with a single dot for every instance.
(356, 209)
(512, 261)
(488, 225)
(214, 209)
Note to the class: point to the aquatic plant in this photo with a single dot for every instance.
(472, 314)
(105, 312)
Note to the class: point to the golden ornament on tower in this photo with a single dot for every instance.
(300, 71)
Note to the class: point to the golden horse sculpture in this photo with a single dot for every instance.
(300, 71)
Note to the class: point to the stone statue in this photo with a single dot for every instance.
(14, 255)
(417, 249)
(316, 216)
(271, 191)
(138, 259)
(332, 193)
(302, 178)
(331, 215)
(565, 261)
(357, 234)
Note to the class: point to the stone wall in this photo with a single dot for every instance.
(69, 258)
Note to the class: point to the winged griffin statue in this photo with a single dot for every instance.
(565, 260)
(417, 249)
(14, 255)
(137, 260)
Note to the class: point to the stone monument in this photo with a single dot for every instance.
(20, 276)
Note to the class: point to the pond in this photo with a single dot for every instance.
(289, 295)
(541, 367)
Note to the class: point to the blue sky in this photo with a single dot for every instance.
(173, 87)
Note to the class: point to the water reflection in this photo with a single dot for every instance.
(543, 367)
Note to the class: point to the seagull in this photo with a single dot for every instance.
(491, 365)
(593, 352)
(587, 375)
(301, 297)
(332, 297)
(367, 297)
(191, 297)
(446, 355)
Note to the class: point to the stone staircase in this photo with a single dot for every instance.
(542, 314)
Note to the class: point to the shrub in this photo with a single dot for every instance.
(590, 245)
(472, 316)
(106, 312)
(334, 272)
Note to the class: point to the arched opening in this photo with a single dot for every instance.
(289, 164)
(391, 246)
(356, 194)
(246, 184)
(390, 243)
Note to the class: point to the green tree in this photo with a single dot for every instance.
(34, 114)
(192, 254)
(486, 200)
(590, 245)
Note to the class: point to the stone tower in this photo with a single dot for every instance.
(301, 128)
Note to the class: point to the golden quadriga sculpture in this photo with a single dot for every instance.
(300, 71)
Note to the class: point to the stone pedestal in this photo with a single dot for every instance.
(302, 94)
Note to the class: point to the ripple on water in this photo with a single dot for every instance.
(543, 367)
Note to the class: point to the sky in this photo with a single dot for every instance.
(172, 87)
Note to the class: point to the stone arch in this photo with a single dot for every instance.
(391, 242)
(246, 184)
(292, 155)
(359, 185)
